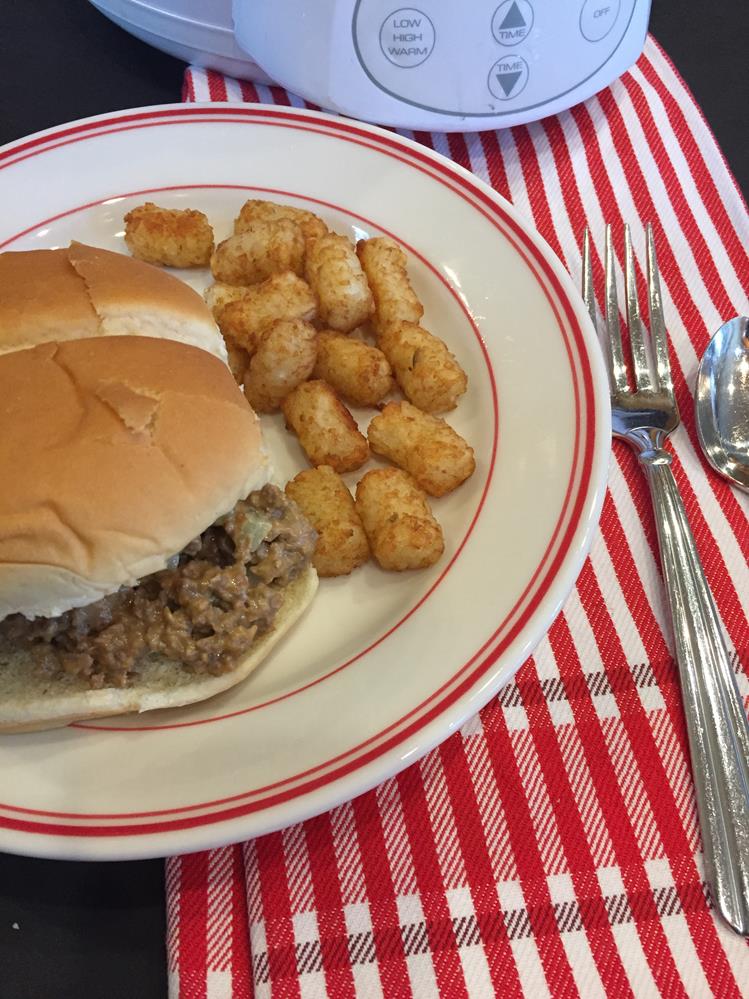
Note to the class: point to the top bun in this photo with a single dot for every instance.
(82, 291)
(114, 454)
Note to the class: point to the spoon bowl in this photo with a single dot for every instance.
(722, 401)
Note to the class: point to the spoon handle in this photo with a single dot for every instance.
(716, 721)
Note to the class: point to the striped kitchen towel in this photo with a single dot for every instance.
(550, 848)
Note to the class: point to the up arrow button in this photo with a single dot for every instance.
(513, 18)
(512, 22)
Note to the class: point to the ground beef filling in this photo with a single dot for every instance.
(221, 592)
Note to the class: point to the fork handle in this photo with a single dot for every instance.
(716, 721)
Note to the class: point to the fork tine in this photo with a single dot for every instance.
(588, 293)
(636, 329)
(616, 354)
(658, 333)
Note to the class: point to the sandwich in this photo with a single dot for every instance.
(83, 291)
(146, 559)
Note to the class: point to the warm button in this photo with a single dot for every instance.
(507, 77)
(407, 37)
(597, 18)
(512, 22)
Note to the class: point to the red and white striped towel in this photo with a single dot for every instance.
(551, 846)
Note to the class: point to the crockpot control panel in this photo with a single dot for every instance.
(486, 59)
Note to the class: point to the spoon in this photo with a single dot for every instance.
(722, 401)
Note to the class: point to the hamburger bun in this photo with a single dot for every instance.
(114, 455)
(83, 291)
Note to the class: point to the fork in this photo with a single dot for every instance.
(717, 726)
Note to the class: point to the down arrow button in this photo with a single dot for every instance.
(507, 77)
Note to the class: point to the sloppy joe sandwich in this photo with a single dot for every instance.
(146, 561)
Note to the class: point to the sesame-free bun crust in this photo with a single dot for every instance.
(115, 452)
(30, 702)
(83, 291)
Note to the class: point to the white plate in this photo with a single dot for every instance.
(383, 666)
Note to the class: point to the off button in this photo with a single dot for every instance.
(407, 37)
(597, 18)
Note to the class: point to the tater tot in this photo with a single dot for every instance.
(335, 275)
(281, 296)
(253, 211)
(402, 531)
(323, 498)
(233, 321)
(239, 359)
(359, 373)
(326, 430)
(217, 296)
(427, 373)
(285, 357)
(385, 266)
(173, 237)
(264, 248)
(425, 446)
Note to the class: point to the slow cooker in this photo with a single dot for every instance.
(437, 64)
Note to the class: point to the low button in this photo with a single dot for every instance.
(507, 77)
(512, 22)
(407, 37)
(597, 18)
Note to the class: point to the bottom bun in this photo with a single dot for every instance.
(30, 703)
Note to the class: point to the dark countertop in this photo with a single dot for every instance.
(79, 930)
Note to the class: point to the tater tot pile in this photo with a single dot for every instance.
(361, 374)
(254, 211)
(284, 358)
(323, 498)
(243, 313)
(425, 446)
(326, 430)
(335, 275)
(262, 249)
(426, 371)
(385, 266)
(314, 324)
(402, 531)
(172, 237)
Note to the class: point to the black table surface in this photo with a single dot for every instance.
(79, 930)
